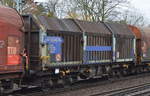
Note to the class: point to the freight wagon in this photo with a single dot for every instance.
(145, 46)
(11, 45)
(142, 48)
(78, 49)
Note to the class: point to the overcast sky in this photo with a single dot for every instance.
(40, 0)
(143, 6)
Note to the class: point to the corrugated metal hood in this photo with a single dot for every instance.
(11, 16)
(121, 30)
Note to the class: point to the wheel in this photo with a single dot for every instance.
(46, 84)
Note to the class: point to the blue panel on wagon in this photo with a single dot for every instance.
(54, 44)
(53, 39)
(98, 48)
(55, 48)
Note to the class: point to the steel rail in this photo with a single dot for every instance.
(128, 91)
(88, 84)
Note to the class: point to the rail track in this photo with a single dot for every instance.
(90, 83)
(139, 90)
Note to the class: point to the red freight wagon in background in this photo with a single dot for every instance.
(10, 42)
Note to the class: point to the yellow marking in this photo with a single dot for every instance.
(148, 64)
(67, 71)
(45, 57)
(125, 66)
(63, 73)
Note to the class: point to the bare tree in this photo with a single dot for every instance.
(24, 6)
(51, 7)
(132, 16)
(9, 3)
(32, 7)
(90, 10)
(97, 10)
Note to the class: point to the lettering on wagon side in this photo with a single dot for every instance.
(2, 43)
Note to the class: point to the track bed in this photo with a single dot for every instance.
(93, 87)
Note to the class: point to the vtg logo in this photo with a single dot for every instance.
(2, 43)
